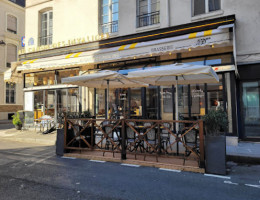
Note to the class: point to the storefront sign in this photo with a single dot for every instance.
(74, 41)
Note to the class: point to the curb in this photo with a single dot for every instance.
(32, 141)
(244, 159)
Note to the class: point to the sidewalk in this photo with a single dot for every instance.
(28, 136)
(244, 152)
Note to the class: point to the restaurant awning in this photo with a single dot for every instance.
(132, 51)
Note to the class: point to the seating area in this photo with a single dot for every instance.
(132, 137)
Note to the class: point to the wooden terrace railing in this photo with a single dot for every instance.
(136, 136)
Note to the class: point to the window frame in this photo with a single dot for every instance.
(150, 15)
(206, 8)
(111, 25)
(9, 90)
(9, 30)
(48, 36)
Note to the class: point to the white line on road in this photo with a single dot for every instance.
(170, 170)
(217, 176)
(68, 158)
(229, 182)
(98, 161)
(130, 165)
(255, 186)
(39, 161)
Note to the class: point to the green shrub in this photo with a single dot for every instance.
(216, 122)
(16, 119)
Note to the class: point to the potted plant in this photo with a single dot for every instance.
(216, 125)
(17, 122)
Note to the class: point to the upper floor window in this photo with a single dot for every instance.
(205, 6)
(11, 24)
(10, 93)
(11, 54)
(148, 12)
(109, 16)
(46, 28)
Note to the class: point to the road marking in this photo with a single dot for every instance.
(170, 170)
(130, 165)
(30, 159)
(217, 176)
(39, 161)
(255, 186)
(229, 182)
(98, 161)
(68, 158)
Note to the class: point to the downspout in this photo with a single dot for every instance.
(235, 50)
(168, 10)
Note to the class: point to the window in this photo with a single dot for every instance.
(10, 93)
(11, 54)
(11, 24)
(148, 12)
(205, 6)
(46, 28)
(109, 16)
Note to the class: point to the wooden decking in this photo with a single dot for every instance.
(168, 162)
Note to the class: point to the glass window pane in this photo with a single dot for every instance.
(214, 5)
(114, 1)
(105, 10)
(115, 17)
(105, 2)
(199, 7)
(114, 7)
(105, 19)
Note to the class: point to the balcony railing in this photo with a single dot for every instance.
(110, 27)
(148, 19)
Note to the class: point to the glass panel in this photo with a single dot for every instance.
(118, 103)
(114, 7)
(61, 101)
(105, 10)
(105, 19)
(100, 103)
(50, 102)
(166, 96)
(251, 109)
(39, 79)
(199, 7)
(105, 2)
(38, 104)
(215, 95)
(136, 107)
(73, 100)
(183, 102)
(67, 73)
(214, 5)
(151, 102)
(197, 101)
(115, 17)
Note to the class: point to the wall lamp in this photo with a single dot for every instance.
(2, 42)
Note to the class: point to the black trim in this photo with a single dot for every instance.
(233, 103)
(143, 102)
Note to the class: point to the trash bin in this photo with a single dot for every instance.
(60, 142)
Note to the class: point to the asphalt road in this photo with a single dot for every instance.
(35, 172)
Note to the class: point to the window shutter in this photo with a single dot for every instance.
(199, 7)
(11, 54)
(11, 23)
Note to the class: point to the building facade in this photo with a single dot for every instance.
(126, 35)
(12, 29)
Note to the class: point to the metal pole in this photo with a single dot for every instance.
(176, 106)
(107, 106)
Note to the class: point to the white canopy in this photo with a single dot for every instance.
(104, 79)
(167, 75)
(100, 80)
(176, 74)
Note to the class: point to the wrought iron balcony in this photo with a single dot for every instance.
(148, 19)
